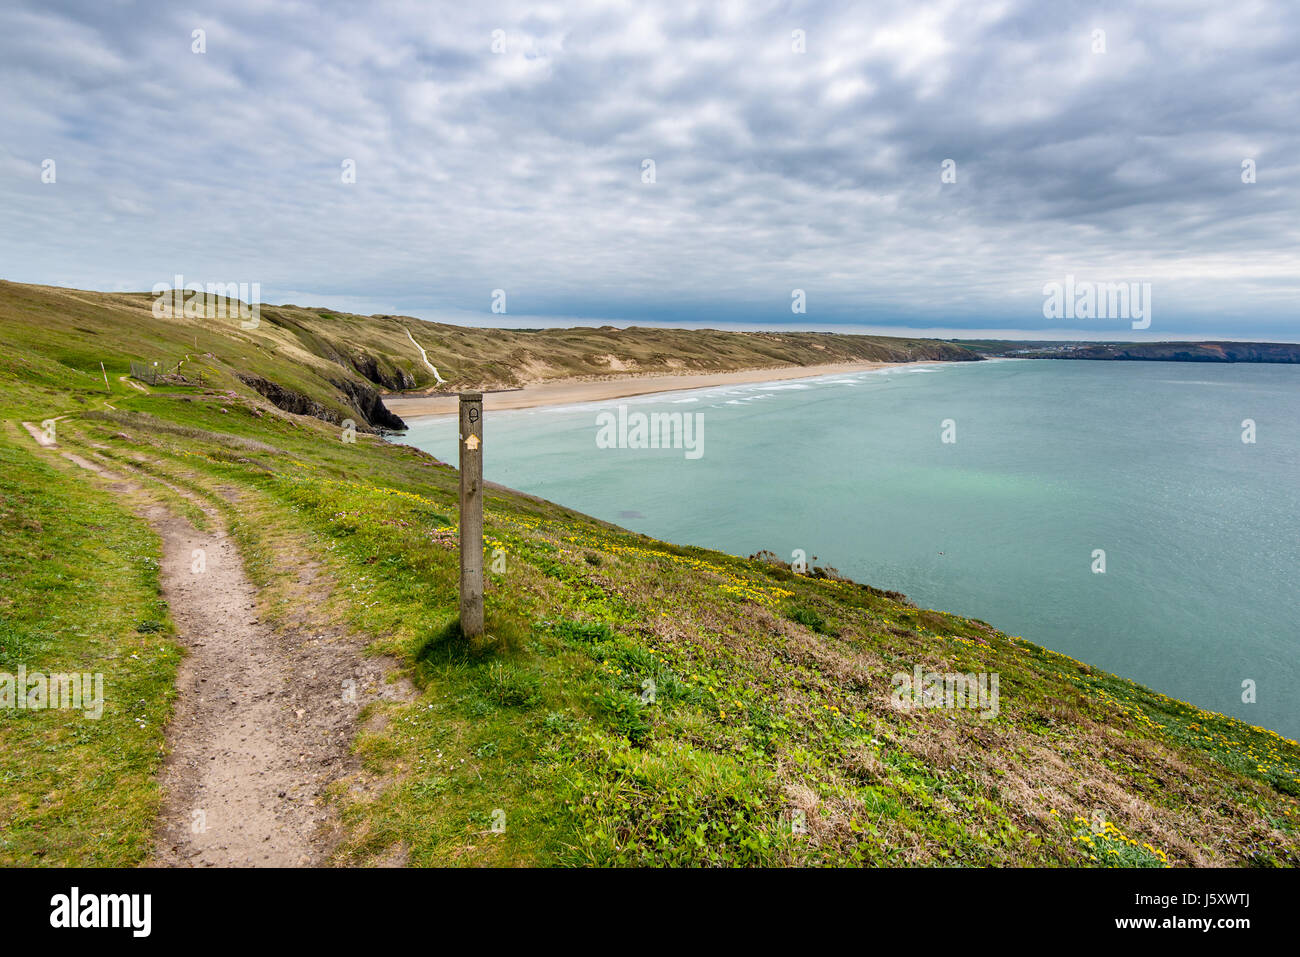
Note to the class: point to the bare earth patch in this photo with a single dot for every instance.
(264, 718)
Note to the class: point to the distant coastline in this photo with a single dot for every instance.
(1204, 351)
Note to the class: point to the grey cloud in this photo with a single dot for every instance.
(775, 170)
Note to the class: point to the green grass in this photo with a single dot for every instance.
(633, 702)
(80, 594)
(751, 720)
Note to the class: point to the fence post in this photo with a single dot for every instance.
(471, 514)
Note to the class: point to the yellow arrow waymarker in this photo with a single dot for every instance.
(472, 443)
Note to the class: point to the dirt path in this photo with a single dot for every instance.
(42, 438)
(243, 780)
(264, 718)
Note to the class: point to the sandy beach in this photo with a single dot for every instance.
(573, 391)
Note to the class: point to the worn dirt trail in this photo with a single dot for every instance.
(243, 780)
(264, 718)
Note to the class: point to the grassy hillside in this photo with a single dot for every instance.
(495, 358)
(335, 365)
(770, 737)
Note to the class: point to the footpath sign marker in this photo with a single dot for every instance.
(471, 514)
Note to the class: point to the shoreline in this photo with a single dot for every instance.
(578, 391)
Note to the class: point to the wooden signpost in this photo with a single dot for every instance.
(471, 514)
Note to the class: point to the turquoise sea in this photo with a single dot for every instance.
(1052, 461)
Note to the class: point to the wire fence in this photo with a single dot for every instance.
(145, 373)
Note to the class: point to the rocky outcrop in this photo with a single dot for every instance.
(368, 402)
(381, 373)
(370, 410)
(785, 571)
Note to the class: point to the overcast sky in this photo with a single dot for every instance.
(774, 170)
